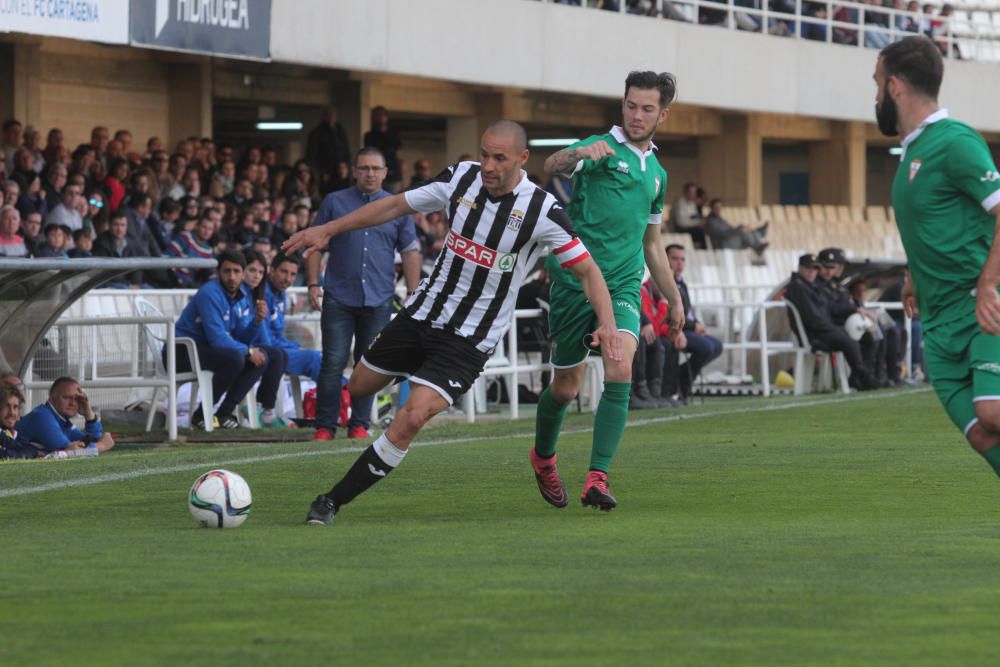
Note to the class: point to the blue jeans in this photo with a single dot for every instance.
(703, 349)
(340, 325)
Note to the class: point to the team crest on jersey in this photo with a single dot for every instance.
(914, 168)
(622, 166)
(515, 220)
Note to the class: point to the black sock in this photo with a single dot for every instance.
(368, 469)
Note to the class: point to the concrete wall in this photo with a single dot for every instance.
(80, 85)
(543, 46)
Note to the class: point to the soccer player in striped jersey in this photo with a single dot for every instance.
(618, 192)
(500, 224)
(946, 196)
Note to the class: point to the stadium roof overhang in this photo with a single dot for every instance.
(35, 292)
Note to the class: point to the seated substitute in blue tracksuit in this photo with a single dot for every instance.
(220, 320)
(284, 270)
(49, 429)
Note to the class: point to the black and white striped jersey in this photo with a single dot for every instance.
(491, 246)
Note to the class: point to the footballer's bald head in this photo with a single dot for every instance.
(508, 128)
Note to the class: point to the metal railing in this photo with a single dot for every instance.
(743, 327)
(88, 368)
(847, 23)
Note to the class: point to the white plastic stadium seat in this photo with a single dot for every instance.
(805, 359)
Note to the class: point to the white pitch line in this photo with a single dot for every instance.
(187, 467)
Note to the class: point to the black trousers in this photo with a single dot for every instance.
(838, 341)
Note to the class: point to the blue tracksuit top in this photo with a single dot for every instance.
(276, 320)
(214, 319)
(254, 334)
(47, 429)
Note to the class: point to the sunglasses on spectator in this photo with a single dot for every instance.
(96, 202)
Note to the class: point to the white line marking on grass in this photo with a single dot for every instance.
(186, 467)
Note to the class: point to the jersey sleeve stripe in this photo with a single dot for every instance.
(654, 219)
(571, 253)
(990, 202)
(568, 246)
(576, 260)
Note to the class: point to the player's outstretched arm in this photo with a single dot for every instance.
(987, 297)
(372, 214)
(597, 293)
(564, 161)
(659, 269)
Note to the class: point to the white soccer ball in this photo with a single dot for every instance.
(219, 499)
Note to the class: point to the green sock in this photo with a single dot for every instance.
(609, 424)
(548, 422)
(992, 457)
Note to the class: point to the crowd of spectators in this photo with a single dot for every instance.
(914, 18)
(110, 197)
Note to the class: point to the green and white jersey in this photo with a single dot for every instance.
(944, 188)
(614, 199)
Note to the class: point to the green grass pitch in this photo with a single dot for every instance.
(838, 531)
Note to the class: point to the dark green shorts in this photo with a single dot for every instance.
(964, 367)
(572, 320)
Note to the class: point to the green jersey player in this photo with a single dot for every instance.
(618, 193)
(946, 195)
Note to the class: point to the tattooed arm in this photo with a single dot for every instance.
(564, 162)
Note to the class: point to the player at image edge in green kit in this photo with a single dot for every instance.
(946, 198)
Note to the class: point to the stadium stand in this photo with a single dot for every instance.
(963, 30)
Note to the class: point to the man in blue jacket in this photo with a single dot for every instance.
(48, 427)
(218, 319)
(284, 270)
